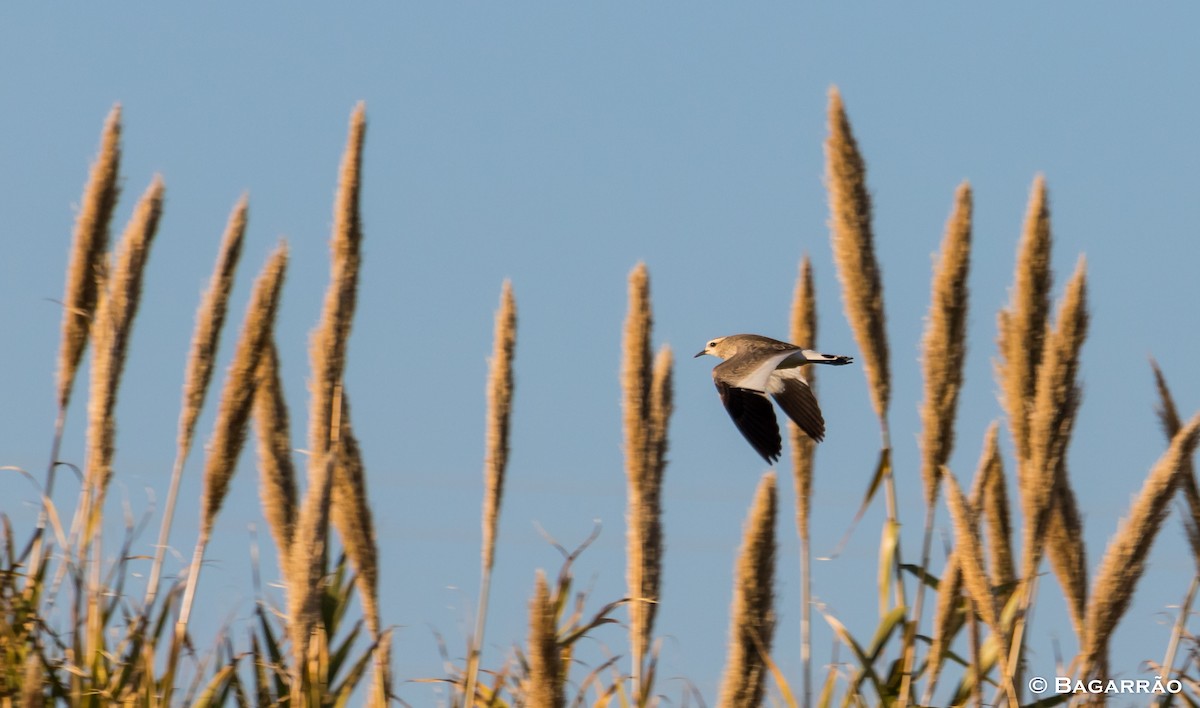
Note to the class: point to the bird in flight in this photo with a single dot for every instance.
(755, 366)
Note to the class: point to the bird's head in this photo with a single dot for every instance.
(717, 347)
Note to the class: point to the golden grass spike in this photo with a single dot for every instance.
(804, 333)
(277, 473)
(209, 320)
(1168, 414)
(495, 463)
(327, 348)
(1168, 417)
(662, 405)
(854, 251)
(1053, 416)
(636, 383)
(351, 515)
(1066, 552)
(947, 616)
(306, 562)
(969, 549)
(111, 330)
(1022, 324)
(1125, 558)
(237, 395)
(752, 611)
(87, 254)
(945, 343)
(499, 413)
(993, 505)
(544, 689)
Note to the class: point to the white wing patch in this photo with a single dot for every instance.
(775, 383)
(759, 378)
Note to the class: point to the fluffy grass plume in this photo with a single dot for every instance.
(233, 414)
(643, 535)
(948, 616)
(499, 414)
(993, 506)
(1043, 476)
(1022, 324)
(1125, 558)
(1067, 554)
(752, 622)
(210, 318)
(804, 332)
(945, 346)
(950, 611)
(350, 512)
(237, 395)
(662, 405)
(87, 254)
(1168, 417)
(351, 515)
(544, 687)
(969, 551)
(854, 251)
(277, 473)
(327, 348)
(111, 329)
(306, 561)
(495, 463)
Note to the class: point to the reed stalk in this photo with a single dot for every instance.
(546, 673)
(752, 623)
(646, 410)
(206, 337)
(995, 510)
(804, 332)
(1168, 418)
(233, 415)
(112, 327)
(87, 256)
(86, 272)
(949, 613)
(306, 563)
(1022, 324)
(944, 350)
(1125, 558)
(328, 342)
(969, 550)
(862, 291)
(945, 346)
(1043, 477)
(277, 473)
(854, 252)
(495, 464)
(351, 516)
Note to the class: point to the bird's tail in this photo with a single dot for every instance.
(834, 359)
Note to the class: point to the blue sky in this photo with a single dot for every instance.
(558, 145)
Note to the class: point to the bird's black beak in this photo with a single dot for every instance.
(700, 355)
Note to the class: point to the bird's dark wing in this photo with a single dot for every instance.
(752, 413)
(792, 393)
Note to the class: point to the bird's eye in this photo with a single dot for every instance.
(712, 344)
